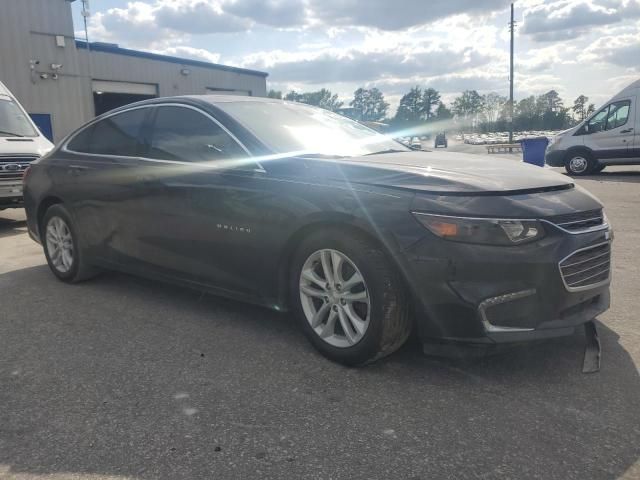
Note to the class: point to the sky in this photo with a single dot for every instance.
(589, 47)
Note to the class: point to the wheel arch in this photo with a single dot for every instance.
(578, 149)
(42, 208)
(346, 223)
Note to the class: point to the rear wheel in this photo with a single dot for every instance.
(580, 163)
(348, 297)
(66, 259)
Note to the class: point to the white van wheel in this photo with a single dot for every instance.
(579, 163)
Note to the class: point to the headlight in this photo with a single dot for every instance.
(488, 231)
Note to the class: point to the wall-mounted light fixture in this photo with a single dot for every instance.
(185, 71)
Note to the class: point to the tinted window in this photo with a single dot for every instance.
(116, 135)
(289, 127)
(618, 114)
(187, 135)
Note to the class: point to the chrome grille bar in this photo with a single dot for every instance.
(587, 267)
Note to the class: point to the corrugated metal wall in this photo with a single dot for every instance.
(27, 33)
(109, 66)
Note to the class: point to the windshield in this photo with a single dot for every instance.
(287, 127)
(13, 121)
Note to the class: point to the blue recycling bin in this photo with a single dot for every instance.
(533, 150)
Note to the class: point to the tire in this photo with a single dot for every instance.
(580, 163)
(75, 269)
(388, 323)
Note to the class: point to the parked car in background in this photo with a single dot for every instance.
(416, 144)
(441, 140)
(20, 143)
(611, 136)
(297, 208)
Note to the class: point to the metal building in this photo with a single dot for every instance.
(63, 82)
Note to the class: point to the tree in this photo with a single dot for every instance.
(580, 108)
(430, 98)
(493, 108)
(370, 104)
(468, 106)
(293, 96)
(443, 113)
(323, 98)
(549, 102)
(410, 107)
(274, 94)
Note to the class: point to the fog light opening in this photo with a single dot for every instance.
(500, 299)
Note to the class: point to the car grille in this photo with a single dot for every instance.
(575, 222)
(12, 168)
(586, 267)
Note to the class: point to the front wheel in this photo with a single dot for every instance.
(66, 259)
(348, 297)
(579, 163)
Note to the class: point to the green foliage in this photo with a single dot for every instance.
(323, 98)
(419, 106)
(370, 104)
(274, 94)
(580, 108)
(430, 99)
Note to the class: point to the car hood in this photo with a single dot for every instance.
(36, 146)
(450, 173)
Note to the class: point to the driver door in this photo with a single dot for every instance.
(200, 208)
(610, 132)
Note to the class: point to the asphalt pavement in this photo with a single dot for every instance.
(123, 378)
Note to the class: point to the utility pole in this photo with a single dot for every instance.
(512, 26)
(86, 13)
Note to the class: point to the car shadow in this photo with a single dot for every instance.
(10, 227)
(618, 176)
(124, 377)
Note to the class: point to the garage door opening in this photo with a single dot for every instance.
(109, 95)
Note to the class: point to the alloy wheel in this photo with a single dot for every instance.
(578, 164)
(334, 297)
(59, 244)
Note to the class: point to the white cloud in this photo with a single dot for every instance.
(572, 46)
(567, 19)
(192, 53)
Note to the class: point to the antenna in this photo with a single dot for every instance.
(86, 13)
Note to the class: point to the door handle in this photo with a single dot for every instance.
(77, 169)
(628, 130)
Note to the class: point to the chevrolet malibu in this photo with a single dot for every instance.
(297, 208)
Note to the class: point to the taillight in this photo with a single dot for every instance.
(26, 174)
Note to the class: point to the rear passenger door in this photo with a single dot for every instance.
(101, 175)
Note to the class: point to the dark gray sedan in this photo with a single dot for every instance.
(296, 208)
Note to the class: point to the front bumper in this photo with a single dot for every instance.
(555, 158)
(11, 194)
(488, 295)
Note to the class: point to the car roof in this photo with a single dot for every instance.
(213, 99)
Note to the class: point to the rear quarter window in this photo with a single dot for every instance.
(115, 135)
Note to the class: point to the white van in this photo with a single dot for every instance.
(611, 136)
(20, 143)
